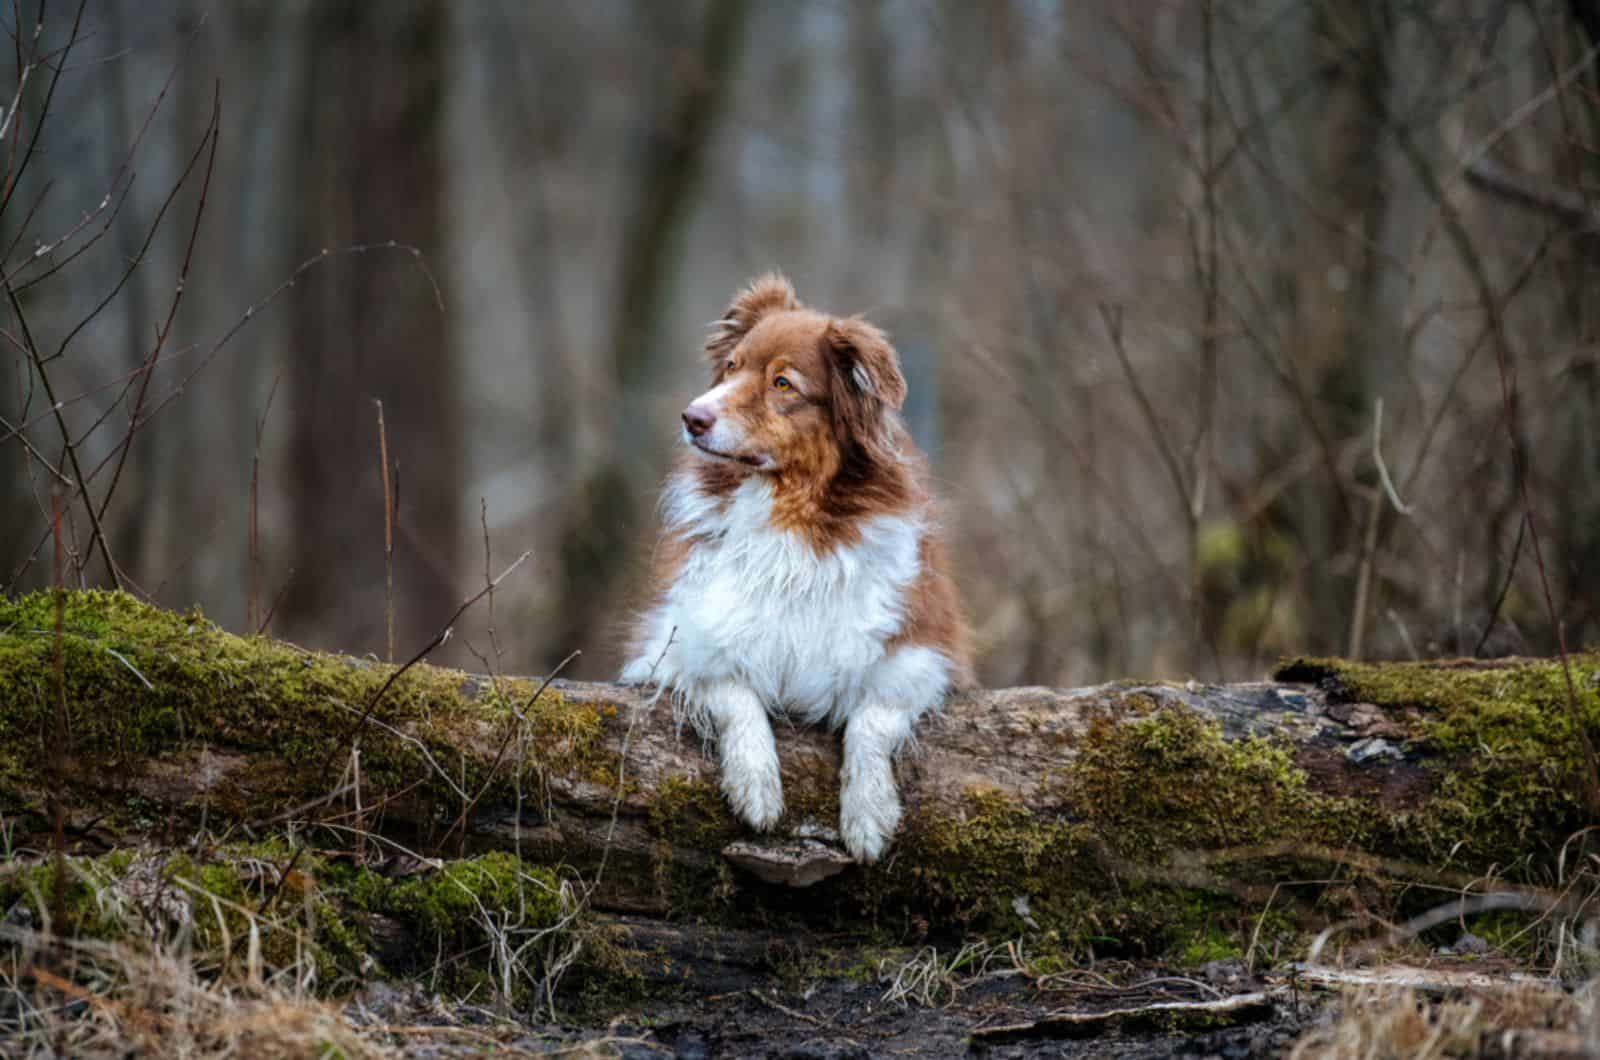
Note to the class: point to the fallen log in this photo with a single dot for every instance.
(1134, 817)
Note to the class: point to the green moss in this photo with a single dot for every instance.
(454, 903)
(1161, 837)
(208, 688)
(86, 912)
(1172, 782)
(691, 813)
(1165, 839)
(1213, 945)
(977, 863)
(212, 905)
(1509, 933)
(318, 913)
(1509, 767)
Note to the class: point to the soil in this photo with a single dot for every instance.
(993, 1017)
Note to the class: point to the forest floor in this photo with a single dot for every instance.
(698, 992)
(1157, 1012)
(843, 1020)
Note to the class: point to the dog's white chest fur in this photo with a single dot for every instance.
(806, 631)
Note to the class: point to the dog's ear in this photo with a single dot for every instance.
(863, 355)
(768, 293)
(867, 387)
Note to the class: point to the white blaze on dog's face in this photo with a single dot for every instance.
(792, 390)
(769, 400)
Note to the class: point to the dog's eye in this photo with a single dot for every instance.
(782, 383)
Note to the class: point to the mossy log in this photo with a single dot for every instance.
(1140, 817)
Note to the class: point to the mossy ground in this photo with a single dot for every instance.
(311, 915)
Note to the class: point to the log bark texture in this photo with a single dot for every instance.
(1136, 812)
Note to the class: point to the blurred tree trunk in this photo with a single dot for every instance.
(368, 327)
(601, 529)
(875, 144)
(1337, 335)
(1578, 498)
(129, 528)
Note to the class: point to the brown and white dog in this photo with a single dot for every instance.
(800, 570)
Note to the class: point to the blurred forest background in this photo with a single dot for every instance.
(1153, 269)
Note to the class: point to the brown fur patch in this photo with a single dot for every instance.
(933, 612)
(768, 293)
(834, 433)
(841, 452)
(716, 479)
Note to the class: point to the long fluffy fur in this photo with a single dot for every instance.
(800, 570)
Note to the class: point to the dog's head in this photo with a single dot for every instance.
(795, 390)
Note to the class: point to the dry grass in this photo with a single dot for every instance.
(930, 978)
(161, 992)
(89, 999)
(84, 998)
(1535, 1021)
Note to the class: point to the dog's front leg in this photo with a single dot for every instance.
(748, 753)
(869, 804)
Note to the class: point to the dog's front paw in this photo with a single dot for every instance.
(867, 820)
(754, 790)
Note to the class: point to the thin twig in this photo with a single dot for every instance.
(131, 668)
(1500, 597)
(1377, 458)
(438, 639)
(1369, 548)
(212, 134)
(422, 749)
(622, 759)
(1479, 152)
(16, 432)
(1518, 463)
(1369, 542)
(511, 730)
(388, 535)
(14, 176)
(494, 639)
(786, 1010)
(272, 609)
(271, 896)
(355, 784)
(1466, 905)
(1405, 633)
(254, 609)
(1112, 316)
(82, 483)
(58, 744)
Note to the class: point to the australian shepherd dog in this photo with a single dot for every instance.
(800, 570)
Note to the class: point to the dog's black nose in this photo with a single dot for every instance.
(698, 420)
